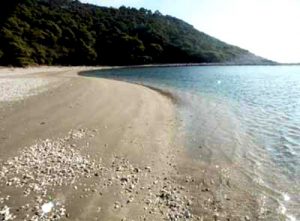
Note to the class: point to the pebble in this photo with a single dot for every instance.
(5, 214)
(48, 163)
(247, 218)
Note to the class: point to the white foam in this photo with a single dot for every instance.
(282, 209)
(286, 197)
(291, 218)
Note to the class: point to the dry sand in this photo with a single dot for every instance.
(79, 148)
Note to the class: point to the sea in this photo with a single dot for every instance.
(246, 115)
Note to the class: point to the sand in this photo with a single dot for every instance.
(124, 134)
(81, 148)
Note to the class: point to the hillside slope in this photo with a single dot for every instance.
(66, 32)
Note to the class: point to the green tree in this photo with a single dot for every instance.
(67, 32)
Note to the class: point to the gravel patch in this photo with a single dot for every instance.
(41, 167)
(5, 214)
(46, 211)
(48, 163)
(158, 196)
(14, 89)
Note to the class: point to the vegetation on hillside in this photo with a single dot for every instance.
(67, 32)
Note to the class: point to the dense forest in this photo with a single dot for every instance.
(67, 32)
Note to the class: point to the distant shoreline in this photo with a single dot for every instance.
(101, 67)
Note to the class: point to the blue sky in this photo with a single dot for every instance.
(269, 28)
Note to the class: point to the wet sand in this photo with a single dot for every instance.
(96, 149)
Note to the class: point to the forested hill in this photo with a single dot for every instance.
(67, 32)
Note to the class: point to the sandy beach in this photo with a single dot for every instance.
(81, 148)
(122, 133)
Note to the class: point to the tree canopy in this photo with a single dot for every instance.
(67, 32)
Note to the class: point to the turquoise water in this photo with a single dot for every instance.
(246, 115)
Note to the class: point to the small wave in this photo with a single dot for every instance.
(291, 218)
(286, 197)
(283, 209)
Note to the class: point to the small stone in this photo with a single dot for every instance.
(216, 216)
(148, 168)
(187, 214)
(124, 179)
(226, 197)
(247, 218)
(117, 205)
(136, 170)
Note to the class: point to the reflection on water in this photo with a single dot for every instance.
(247, 116)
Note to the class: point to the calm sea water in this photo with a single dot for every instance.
(246, 115)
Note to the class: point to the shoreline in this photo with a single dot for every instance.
(42, 68)
(136, 164)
